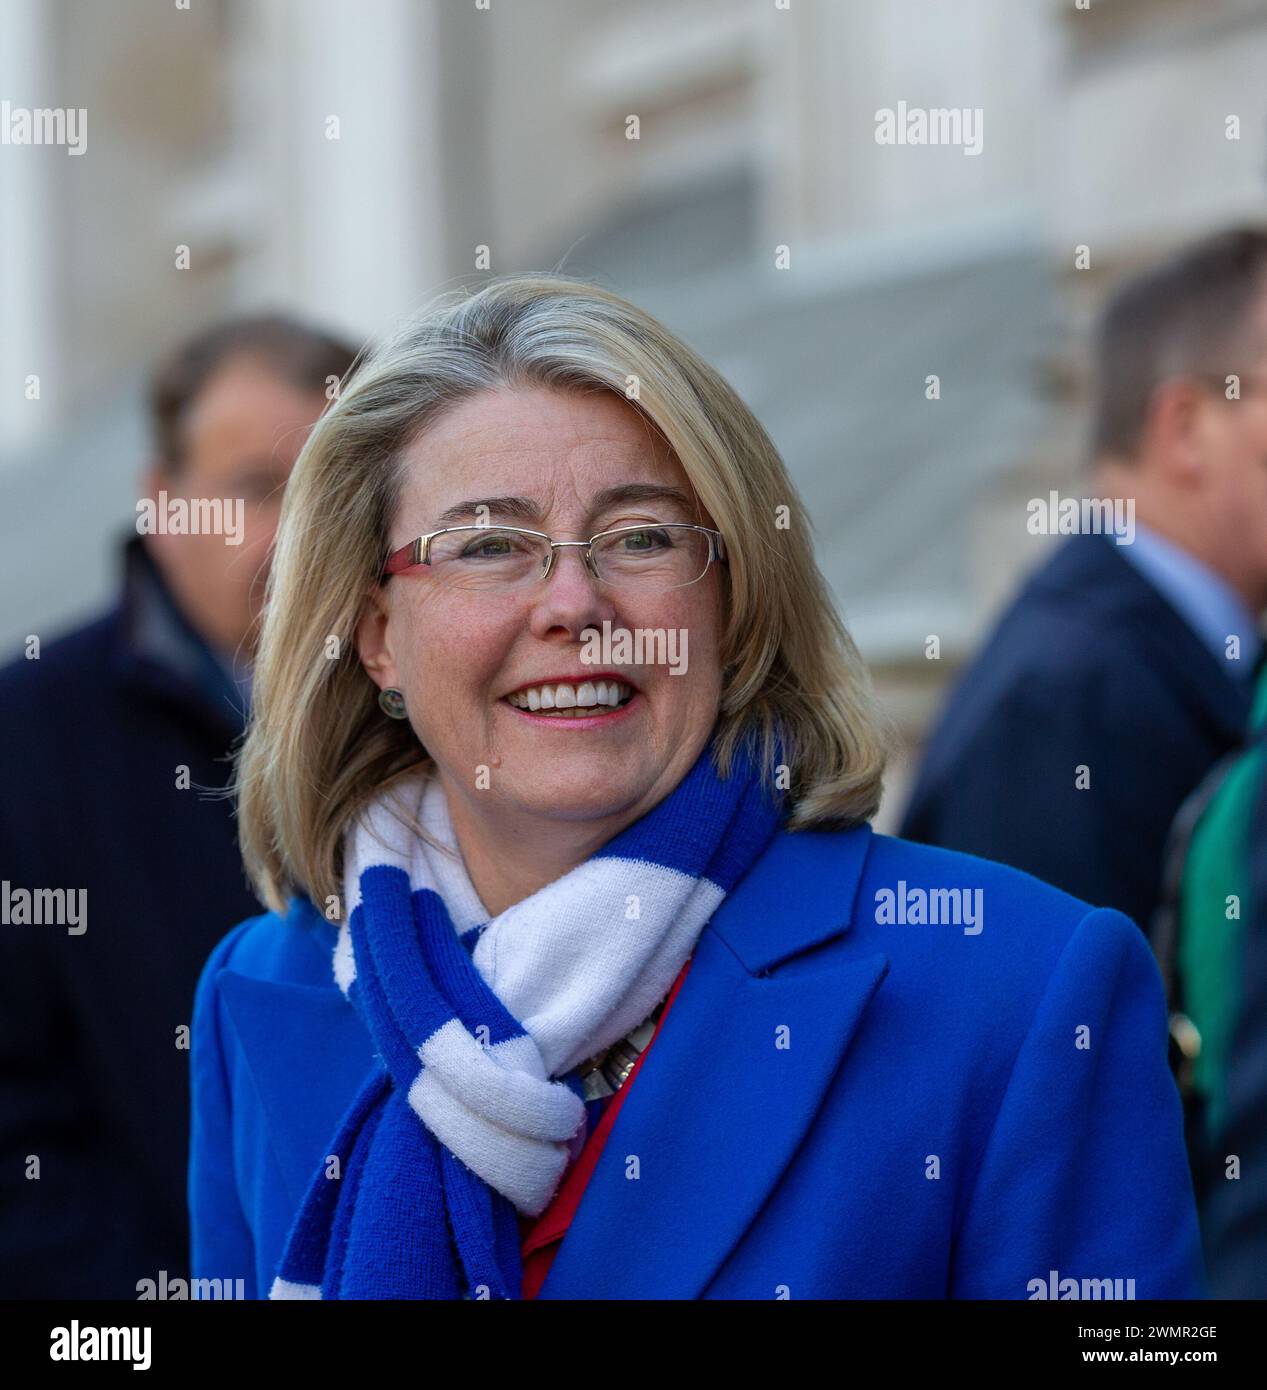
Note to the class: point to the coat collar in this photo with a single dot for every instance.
(797, 895)
(1090, 572)
(160, 654)
(695, 1149)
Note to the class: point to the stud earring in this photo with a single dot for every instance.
(392, 702)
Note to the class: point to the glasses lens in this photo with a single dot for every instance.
(486, 557)
(651, 557)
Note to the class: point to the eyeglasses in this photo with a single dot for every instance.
(651, 558)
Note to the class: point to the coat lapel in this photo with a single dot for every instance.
(737, 1074)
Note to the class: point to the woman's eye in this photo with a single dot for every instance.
(497, 545)
(646, 540)
(490, 549)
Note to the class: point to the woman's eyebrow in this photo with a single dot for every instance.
(639, 492)
(524, 509)
(512, 508)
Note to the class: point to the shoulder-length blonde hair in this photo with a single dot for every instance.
(318, 746)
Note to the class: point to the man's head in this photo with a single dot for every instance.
(230, 410)
(1180, 414)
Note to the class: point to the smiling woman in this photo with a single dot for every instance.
(499, 871)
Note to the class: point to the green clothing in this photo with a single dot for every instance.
(1215, 903)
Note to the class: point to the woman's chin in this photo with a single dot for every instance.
(588, 794)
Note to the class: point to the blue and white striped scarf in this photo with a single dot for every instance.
(462, 1122)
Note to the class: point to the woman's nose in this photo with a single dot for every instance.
(570, 596)
(560, 549)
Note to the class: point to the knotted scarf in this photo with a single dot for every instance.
(473, 1107)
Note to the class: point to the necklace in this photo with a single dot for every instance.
(607, 1071)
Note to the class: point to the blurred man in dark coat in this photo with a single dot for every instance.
(1123, 670)
(110, 738)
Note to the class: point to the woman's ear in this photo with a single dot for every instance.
(373, 644)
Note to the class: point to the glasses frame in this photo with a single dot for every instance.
(417, 552)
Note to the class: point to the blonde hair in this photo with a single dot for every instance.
(319, 747)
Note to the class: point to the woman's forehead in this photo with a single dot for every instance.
(568, 452)
(542, 418)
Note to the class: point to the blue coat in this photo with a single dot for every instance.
(839, 1105)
